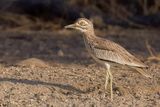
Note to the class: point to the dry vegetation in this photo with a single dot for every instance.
(42, 64)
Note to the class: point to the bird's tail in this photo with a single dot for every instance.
(141, 71)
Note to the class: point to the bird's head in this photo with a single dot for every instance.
(82, 24)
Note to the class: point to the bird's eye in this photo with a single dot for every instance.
(82, 23)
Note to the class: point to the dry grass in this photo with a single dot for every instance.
(17, 22)
(153, 55)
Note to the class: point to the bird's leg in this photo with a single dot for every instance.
(111, 88)
(107, 77)
(110, 77)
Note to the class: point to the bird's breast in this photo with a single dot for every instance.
(91, 51)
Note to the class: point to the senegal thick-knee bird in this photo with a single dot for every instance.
(106, 52)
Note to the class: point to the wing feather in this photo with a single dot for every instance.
(108, 50)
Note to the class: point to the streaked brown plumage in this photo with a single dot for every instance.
(105, 51)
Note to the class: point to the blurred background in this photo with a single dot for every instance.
(124, 13)
(134, 24)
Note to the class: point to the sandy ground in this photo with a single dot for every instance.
(53, 69)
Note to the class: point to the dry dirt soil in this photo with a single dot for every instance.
(53, 69)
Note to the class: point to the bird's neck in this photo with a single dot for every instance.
(89, 34)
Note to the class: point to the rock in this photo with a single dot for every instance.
(33, 62)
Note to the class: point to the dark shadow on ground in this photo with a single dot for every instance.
(67, 87)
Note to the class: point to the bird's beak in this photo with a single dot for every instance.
(72, 26)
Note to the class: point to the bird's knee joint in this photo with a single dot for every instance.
(107, 65)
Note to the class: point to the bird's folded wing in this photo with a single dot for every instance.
(113, 52)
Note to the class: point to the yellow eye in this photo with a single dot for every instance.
(82, 23)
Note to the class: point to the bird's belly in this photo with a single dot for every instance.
(104, 62)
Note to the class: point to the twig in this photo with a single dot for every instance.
(151, 51)
(149, 48)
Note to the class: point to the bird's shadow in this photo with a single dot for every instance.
(67, 87)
